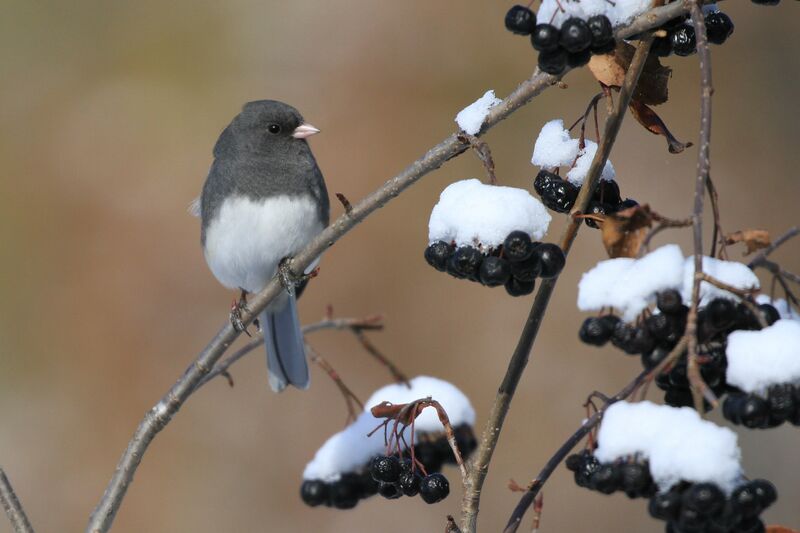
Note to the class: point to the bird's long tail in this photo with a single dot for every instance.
(286, 355)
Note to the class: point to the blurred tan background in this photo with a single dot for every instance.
(109, 113)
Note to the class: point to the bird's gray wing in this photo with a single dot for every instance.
(286, 355)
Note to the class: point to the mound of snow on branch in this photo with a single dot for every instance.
(618, 11)
(758, 359)
(470, 119)
(555, 148)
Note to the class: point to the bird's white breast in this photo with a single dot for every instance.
(248, 238)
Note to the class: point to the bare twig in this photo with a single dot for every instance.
(778, 270)
(699, 388)
(763, 254)
(484, 153)
(396, 373)
(590, 423)
(14, 511)
(519, 360)
(350, 399)
(160, 415)
(663, 223)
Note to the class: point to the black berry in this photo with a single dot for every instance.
(516, 287)
(623, 337)
(669, 301)
(314, 492)
(578, 59)
(438, 253)
(661, 47)
(719, 27)
(390, 491)
(529, 269)
(586, 469)
(520, 20)
(781, 402)
(705, 498)
(494, 271)
(746, 502)
(601, 30)
(754, 412)
(636, 480)
(721, 313)
(597, 208)
(554, 62)
(517, 246)
(665, 506)
(552, 259)
(767, 2)
(607, 192)
(575, 35)
(410, 483)
(652, 358)
(434, 488)
(344, 493)
(597, 330)
(545, 38)
(385, 468)
(684, 41)
(467, 261)
(764, 491)
(606, 479)
(770, 314)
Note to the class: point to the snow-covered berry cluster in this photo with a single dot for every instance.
(651, 451)
(354, 464)
(727, 329)
(487, 234)
(555, 148)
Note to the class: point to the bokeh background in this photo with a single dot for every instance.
(109, 113)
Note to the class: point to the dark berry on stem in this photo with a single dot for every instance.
(545, 38)
(586, 470)
(781, 401)
(769, 313)
(390, 491)
(607, 48)
(579, 59)
(596, 330)
(745, 501)
(597, 208)
(679, 398)
(385, 468)
(721, 313)
(665, 506)
(494, 271)
(529, 269)
(691, 520)
(719, 27)
(684, 41)
(551, 258)
(516, 287)
(438, 253)
(636, 479)
(653, 357)
(732, 407)
(601, 29)
(368, 486)
(434, 488)
(314, 492)
(606, 479)
(410, 483)
(767, 2)
(575, 35)
(554, 62)
(574, 462)
(764, 491)
(517, 246)
(467, 260)
(669, 301)
(627, 203)
(343, 494)
(623, 337)
(427, 454)
(705, 498)
(545, 181)
(750, 525)
(520, 20)
(754, 412)
(607, 192)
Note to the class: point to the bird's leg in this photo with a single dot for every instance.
(237, 307)
(289, 279)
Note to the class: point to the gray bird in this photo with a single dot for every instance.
(263, 201)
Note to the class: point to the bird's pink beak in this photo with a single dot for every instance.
(304, 130)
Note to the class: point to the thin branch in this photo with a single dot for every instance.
(14, 511)
(663, 223)
(160, 415)
(590, 423)
(699, 388)
(519, 359)
(350, 399)
(396, 373)
(763, 254)
(776, 270)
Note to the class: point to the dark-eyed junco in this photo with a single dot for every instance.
(263, 201)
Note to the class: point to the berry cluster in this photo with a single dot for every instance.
(559, 195)
(681, 38)
(656, 336)
(631, 477)
(703, 507)
(571, 46)
(687, 507)
(515, 264)
(393, 477)
(782, 404)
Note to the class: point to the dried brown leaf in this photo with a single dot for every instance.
(780, 529)
(653, 123)
(754, 239)
(610, 69)
(623, 232)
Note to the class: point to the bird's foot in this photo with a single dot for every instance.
(289, 279)
(237, 308)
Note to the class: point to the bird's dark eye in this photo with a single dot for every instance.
(274, 128)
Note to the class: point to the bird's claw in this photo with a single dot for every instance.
(237, 308)
(289, 279)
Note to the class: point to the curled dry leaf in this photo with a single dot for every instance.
(781, 529)
(754, 239)
(653, 123)
(610, 69)
(623, 232)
